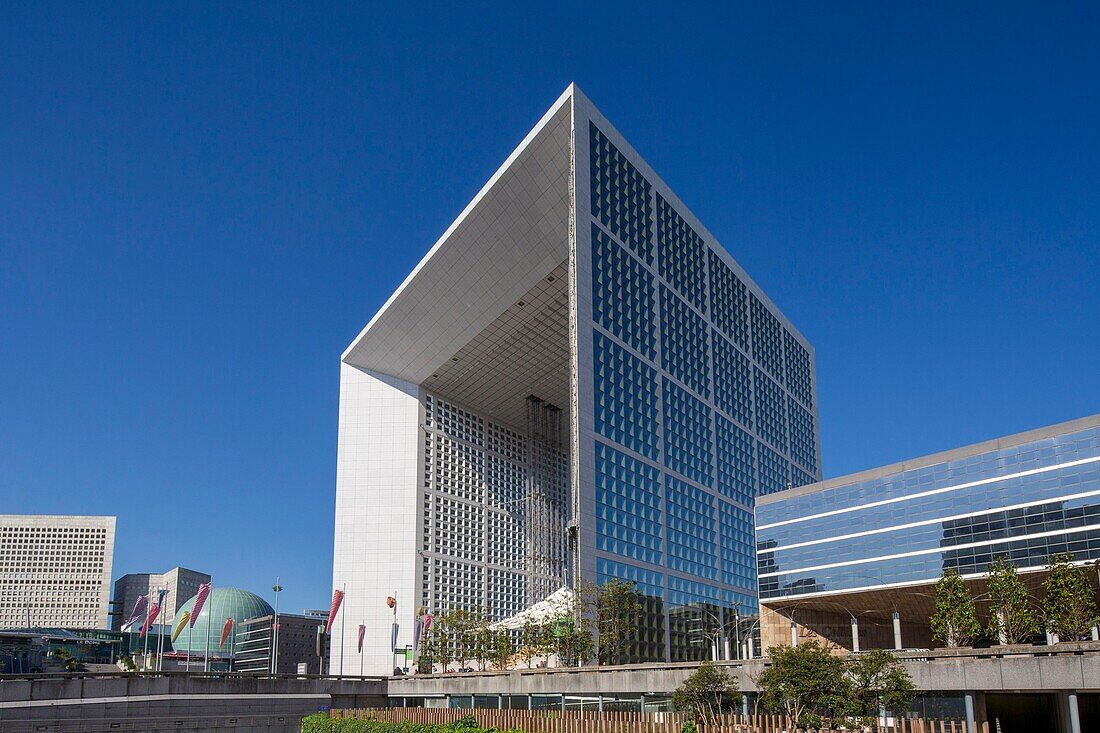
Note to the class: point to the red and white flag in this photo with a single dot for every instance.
(362, 631)
(200, 600)
(154, 611)
(337, 599)
(139, 610)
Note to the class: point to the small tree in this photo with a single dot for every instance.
(1012, 620)
(707, 693)
(532, 642)
(878, 681)
(806, 683)
(1069, 609)
(502, 648)
(954, 620)
(619, 608)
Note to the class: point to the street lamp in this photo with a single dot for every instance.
(275, 630)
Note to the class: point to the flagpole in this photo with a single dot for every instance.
(189, 644)
(145, 654)
(206, 660)
(343, 624)
(361, 649)
(160, 650)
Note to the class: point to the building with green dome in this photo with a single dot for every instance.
(222, 603)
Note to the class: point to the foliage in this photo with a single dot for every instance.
(954, 620)
(877, 681)
(1012, 618)
(502, 649)
(1069, 609)
(806, 683)
(689, 727)
(483, 644)
(619, 608)
(533, 642)
(707, 693)
(322, 723)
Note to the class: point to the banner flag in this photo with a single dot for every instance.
(154, 611)
(337, 599)
(180, 624)
(362, 630)
(225, 631)
(392, 603)
(200, 601)
(140, 605)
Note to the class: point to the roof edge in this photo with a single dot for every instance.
(932, 459)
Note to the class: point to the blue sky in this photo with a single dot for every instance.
(201, 206)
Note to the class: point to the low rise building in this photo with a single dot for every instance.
(296, 640)
(854, 560)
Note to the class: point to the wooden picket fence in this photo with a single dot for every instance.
(592, 721)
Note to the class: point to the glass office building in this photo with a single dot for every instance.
(1024, 497)
(576, 383)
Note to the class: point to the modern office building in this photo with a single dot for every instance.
(180, 583)
(55, 571)
(838, 559)
(297, 640)
(576, 382)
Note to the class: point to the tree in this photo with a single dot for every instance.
(1069, 608)
(806, 683)
(437, 646)
(483, 644)
(502, 648)
(954, 619)
(462, 625)
(619, 610)
(1012, 619)
(707, 693)
(878, 681)
(532, 641)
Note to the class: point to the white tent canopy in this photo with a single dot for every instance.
(555, 605)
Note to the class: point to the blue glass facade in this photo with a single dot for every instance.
(703, 399)
(1025, 497)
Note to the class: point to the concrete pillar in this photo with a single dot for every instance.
(726, 647)
(1096, 633)
(971, 721)
(752, 652)
(794, 633)
(1074, 717)
(855, 634)
(1002, 634)
(897, 631)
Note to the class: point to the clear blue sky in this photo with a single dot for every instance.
(201, 207)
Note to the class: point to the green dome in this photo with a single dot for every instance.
(222, 603)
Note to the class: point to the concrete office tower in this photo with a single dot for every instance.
(838, 559)
(55, 571)
(180, 583)
(577, 381)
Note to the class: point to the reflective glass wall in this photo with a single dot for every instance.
(1022, 497)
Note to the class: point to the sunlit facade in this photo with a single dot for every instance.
(577, 382)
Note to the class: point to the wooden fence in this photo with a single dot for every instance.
(591, 721)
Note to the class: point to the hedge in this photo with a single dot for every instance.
(322, 723)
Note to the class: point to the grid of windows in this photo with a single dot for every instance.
(799, 373)
(736, 461)
(688, 435)
(681, 255)
(774, 468)
(690, 512)
(475, 511)
(735, 528)
(803, 445)
(684, 343)
(771, 417)
(626, 397)
(620, 195)
(767, 338)
(628, 506)
(55, 571)
(732, 381)
(728, 302)
(622, 294)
